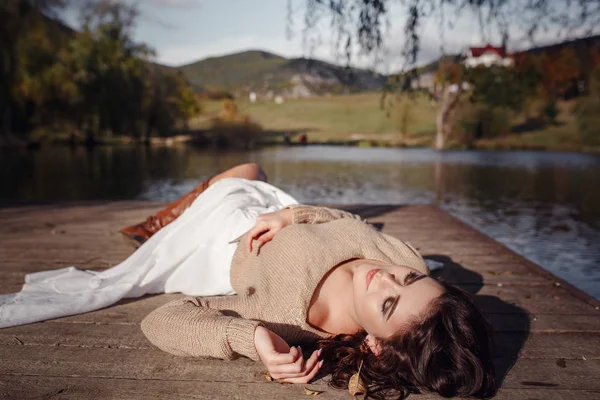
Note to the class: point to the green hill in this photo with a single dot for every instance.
(231, 71)
(262, 72)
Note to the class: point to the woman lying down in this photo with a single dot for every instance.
(300, 275)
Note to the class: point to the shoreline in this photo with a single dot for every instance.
(188, 140)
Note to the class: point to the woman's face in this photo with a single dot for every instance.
(387, 297)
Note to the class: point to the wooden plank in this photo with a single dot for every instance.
(543, 323)
(507, 299)
(550, 373)
(129, 336)
(11, 283)
(68, 241)
(128, 311)
(27, 267)
(18, 387)
(79, 388)
(152, 364)
(123, 364)
(546, 394)
(81, 335)
(488, 274)
(80, 255)
(569, 345)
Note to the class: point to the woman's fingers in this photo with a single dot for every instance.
(298, 369)
(302, 369)
(266, 226)
(262, 232)
(306, 378)
(313, 360)
(259, 228)
(265, 237)
(288, 370)
(276, 359)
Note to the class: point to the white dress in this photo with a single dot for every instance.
(191, 255)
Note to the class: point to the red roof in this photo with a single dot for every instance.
(478, 51)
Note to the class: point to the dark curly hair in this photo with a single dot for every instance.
(448, 352)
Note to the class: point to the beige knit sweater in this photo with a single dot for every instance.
(274, 287)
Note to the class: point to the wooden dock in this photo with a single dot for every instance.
(548, 333)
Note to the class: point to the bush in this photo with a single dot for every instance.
(549, 110)
(474, 122)
(465, 123)
(242, 132)
(587, 113)
(233, 129)
(495, 122)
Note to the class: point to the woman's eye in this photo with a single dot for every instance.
(410, 276)
(387, 303)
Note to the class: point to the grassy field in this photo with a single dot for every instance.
(340, 118)
(560, 136)
(360, 118)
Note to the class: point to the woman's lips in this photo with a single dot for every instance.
(370, 276)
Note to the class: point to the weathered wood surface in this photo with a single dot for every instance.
(548, 333)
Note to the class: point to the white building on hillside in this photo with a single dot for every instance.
(487, 56)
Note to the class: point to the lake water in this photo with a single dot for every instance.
(543, 205)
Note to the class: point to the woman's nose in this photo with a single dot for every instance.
(391, 279)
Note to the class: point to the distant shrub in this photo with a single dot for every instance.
(496, 121)
(587, 113)
(233, 129)
(465, 124)
(217, 94)
(549, 110)
(474, 122)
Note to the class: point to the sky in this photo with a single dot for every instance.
(185, 31)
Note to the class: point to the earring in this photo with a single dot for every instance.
(364, 346)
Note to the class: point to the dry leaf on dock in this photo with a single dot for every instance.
(310, 392)
(356, 384)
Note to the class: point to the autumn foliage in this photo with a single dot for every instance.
(94, 82)
(232, 128)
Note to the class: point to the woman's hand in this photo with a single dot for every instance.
(284, 364)
(267, 225)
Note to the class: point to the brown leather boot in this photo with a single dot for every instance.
(139, 233)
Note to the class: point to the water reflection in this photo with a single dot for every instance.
(545, 206)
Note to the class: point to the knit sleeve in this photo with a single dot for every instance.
(303, 214)
(190, 327)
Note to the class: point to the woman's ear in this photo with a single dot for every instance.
(374, 344)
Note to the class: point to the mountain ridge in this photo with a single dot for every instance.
(263, 72)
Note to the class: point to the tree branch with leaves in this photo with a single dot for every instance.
(360, 27)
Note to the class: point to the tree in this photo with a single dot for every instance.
(17, 17)
(448, 90)
(361, 23)
(586, 111)
(97, 80)
(529, 72)
(109, 69)
(561, 72)
(172, 102)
